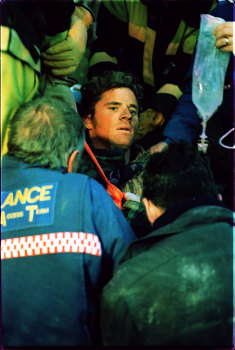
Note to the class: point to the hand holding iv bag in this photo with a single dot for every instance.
(209, 70)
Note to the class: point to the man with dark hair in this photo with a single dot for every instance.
(61, 232)
(174, 287)
(153, 39)
(110, 109)
(173, 176)
(92, 90)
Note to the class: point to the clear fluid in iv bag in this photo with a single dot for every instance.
(206, 94)
(207, 101)
(208, 74)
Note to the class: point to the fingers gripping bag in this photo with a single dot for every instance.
(210, 65)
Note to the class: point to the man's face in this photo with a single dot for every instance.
(115, 121)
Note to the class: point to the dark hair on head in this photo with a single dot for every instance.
(93, 89)
(45, 131)
(177, 173)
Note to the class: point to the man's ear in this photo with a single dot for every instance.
(148, 208)
(159, 121)
(88, 121)
(152, 211)
(73, 162)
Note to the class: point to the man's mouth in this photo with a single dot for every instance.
(125, 128)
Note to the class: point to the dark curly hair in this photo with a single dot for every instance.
(93, 89)
(178, 173)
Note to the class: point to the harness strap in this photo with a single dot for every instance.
(114, 192)
(91, 154)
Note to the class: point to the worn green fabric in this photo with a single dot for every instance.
(175, 286)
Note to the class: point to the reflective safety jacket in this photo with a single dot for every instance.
(152, 39)
(61, 237)
(26, 26)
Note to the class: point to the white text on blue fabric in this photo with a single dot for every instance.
(28, 206)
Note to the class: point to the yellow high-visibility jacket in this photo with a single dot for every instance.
(152, 39)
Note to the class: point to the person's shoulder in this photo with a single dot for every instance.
(211, 214)
(86, 180)
(81, 178)
(86, 166)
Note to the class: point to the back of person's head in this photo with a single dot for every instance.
(45, 131)
(177, 173)
(93, 89)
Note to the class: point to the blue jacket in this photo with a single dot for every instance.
(185, 123)
(61, 237)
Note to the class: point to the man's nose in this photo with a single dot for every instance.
(126, 114)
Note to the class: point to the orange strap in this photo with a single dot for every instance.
(114, 192)
(91, 154)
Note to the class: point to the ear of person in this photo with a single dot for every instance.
(88, 122)
(148, 121)
(153, 212)
(73, 162)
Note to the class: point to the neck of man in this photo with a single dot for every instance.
(127, 156)
(126, 152)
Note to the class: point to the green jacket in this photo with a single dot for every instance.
(174, 287)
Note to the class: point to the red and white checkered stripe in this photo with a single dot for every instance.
(51, 243)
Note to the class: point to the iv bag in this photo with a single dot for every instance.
(209, 69)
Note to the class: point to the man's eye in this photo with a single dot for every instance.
(113, 108)
(133, 112)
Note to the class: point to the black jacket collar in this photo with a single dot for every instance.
(180, 207)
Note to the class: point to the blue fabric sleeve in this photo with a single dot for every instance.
(110, 223)
(184, 124)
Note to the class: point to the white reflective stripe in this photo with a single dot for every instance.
(51, 243)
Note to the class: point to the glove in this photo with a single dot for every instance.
(65, 56)
(149, 120)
